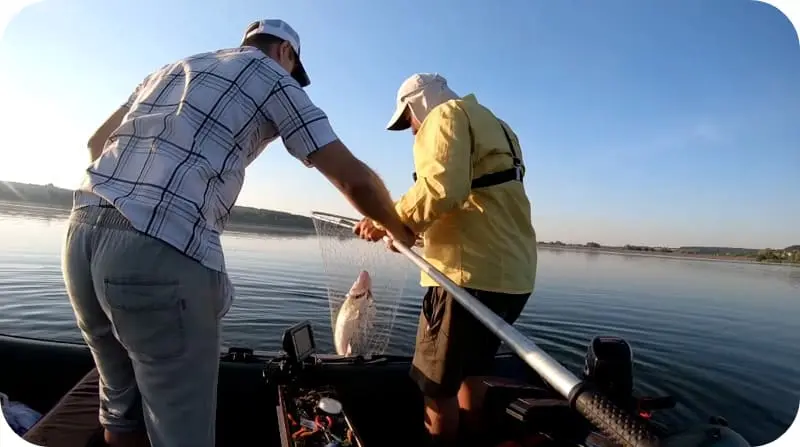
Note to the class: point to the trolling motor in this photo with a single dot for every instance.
(608, 369)
(609, 366)
(529, 414)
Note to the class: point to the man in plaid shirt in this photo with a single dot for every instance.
(143, 264)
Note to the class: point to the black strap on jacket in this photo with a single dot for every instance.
(515, 173)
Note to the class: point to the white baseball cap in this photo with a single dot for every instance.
(410, 88)
(281, 29)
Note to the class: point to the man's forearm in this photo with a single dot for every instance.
(372, 199)
(94, 151)
(358, 183)
(98, 141)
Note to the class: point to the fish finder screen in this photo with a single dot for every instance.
(302, 342)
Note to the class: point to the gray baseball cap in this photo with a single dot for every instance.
(411, 87)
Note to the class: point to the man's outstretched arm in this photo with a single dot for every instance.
(98, 141)
(360, 185)
(308, 136)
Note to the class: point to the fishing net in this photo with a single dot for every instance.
(344, 257)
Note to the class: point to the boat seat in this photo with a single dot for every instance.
(73, 421)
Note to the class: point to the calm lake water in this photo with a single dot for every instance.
(721, 337)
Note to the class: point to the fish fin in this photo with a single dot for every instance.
(349, 350)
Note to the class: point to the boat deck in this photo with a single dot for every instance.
(381, 401)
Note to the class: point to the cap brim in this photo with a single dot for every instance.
(399, 121)
(299, 74)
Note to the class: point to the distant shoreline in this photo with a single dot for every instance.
(242, 218)
(681, 256)
(250, 220)
(54, 211)
(788, 256)
(288, 231)
(261, 229)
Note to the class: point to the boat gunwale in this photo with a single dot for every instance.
(256, 355)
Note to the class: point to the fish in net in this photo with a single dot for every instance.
(364, 281)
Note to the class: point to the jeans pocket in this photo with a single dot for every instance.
(147, 317)
(223, 294)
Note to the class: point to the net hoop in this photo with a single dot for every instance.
(344, 256)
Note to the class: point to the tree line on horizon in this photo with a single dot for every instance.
(242, 215)
(62, 198)
(790, 254)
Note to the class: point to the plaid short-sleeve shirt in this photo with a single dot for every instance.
(176, 164)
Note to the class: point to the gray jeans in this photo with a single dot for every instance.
(151, 317)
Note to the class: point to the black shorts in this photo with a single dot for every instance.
(452, 344)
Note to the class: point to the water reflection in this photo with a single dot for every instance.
(794, 277)
(721, 336)
(592, 255)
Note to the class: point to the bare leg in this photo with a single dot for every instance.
(441, 418)
(470, 399)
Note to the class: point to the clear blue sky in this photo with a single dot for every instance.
(672, 122)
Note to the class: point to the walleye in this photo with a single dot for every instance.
(351, 332)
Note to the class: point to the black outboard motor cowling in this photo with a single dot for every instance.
(609, 366)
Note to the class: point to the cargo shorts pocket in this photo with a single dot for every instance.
(433, 310)
(147, 317)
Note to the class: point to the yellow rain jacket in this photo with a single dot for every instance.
(480, 238)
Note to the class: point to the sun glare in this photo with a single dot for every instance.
(39, 141)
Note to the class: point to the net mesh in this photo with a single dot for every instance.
(344, 257)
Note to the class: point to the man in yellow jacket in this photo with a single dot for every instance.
(469, 204)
